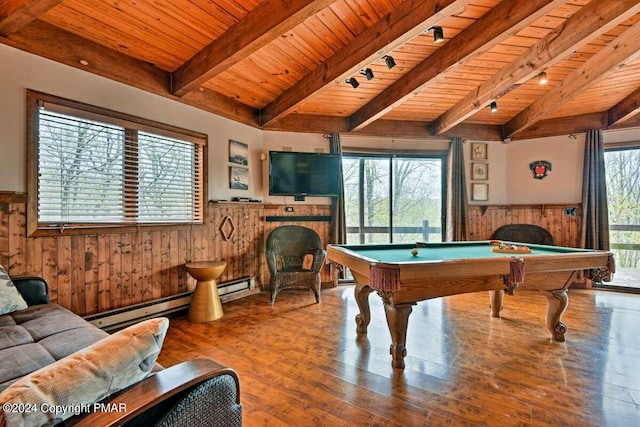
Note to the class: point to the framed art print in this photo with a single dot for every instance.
(238, 178)
(478, 151)
(479, 192)
(479, 171)
(238, 153)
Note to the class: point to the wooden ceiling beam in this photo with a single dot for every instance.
(564, 126)
(624, 110)
(631, 122)
(591, 21)
(383, 128)
(414, 129)
(311, 122)
(268, 21)
(625, 47)
(15, 14)
(50, 42)
(501, 22)
(405, 22)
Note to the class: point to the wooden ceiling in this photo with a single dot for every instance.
(282, 64)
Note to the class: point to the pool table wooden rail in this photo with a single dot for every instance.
(550, 274)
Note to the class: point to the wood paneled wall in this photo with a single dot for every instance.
(484, 220)
(96, 273)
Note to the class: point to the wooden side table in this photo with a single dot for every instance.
(205, 304)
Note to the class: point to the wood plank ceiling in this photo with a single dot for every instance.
(282, 64)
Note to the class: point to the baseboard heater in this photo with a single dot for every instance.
(123, 317)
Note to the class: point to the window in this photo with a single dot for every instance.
(90, 167)
(393, 197)
(623, 197)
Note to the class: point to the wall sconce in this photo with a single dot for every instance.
(390, 61)
(542, 78)
(353, 82)
(493, 106)
(368, 73)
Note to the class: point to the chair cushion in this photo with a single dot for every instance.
(74, 383)
(10, 298)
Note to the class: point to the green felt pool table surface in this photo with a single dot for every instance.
(401, 253)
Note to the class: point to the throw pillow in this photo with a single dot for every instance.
(10, 298)
(71, 385)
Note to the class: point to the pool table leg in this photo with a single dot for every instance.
(398, 319)
(361, 294)
(557, 304)
(495, 298)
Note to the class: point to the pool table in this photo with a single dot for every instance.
(402, 279)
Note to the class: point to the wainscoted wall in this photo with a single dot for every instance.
(483, 220)
(95, 273)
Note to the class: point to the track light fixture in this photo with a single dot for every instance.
(390, 61)
(438, 34)
(542, 78)
(368, 73)
(353, 82)
(493, 107)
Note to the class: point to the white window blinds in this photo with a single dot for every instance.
(101, 170)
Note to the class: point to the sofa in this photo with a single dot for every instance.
(52, 361)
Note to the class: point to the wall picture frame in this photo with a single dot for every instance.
(479, 192)
(238, 153)
(479, 151)
(480, 171)
(238, 178)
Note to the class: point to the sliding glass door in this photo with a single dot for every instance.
(394, 198)
(623, 194)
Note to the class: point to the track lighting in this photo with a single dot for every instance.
(494, 106)
(390, 61)
(368, 73)
(438, 34)
(353, 82)
(542, 78)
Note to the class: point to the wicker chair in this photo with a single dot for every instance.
(295, 256)
(523, 233)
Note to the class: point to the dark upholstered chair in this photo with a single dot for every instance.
(295, 256)
(523, 233)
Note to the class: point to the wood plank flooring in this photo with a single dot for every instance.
(301, 363)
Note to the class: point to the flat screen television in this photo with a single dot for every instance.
(303, 174)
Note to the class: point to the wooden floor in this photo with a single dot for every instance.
(301, 363)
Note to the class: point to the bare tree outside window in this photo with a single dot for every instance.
(623, 196)
(393, 199)
(79, 165)
(91, 168)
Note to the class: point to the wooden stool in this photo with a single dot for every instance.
(205, 304)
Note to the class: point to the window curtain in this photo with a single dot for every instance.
(457, 205)
(595, 214)
(338, 220)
